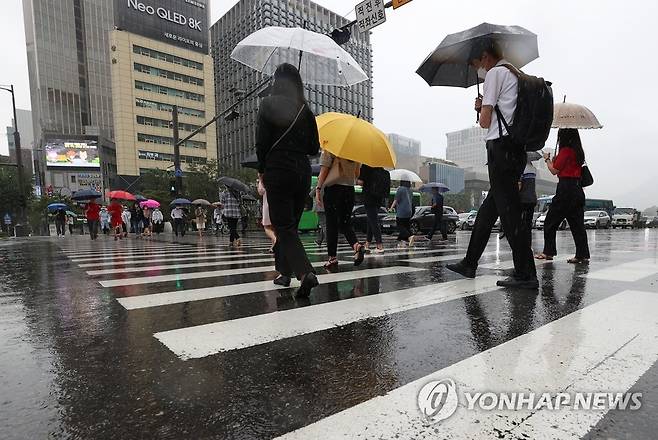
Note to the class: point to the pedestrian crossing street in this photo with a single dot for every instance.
(603, 339)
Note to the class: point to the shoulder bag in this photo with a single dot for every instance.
(586, 178)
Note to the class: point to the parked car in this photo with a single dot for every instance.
(652, 222)
(470, 222)
(463, 217)
(539, 223)
(623, 217)
(597, 219)
(423, 219)
(360, 220)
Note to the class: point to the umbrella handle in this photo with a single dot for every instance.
(477, 113)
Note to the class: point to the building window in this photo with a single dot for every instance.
(154, 71)
(164, 140)
(163, 123)
(154, 88)
(167, 57)
(166, 157)
(154, 105)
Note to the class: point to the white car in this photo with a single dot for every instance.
(463, 217)
(597, 219)
(539, 223)
(470, 222)
(623, 218)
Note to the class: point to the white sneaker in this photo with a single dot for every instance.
(411, 240)
(378, 251)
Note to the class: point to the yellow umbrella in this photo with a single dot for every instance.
(352, 138)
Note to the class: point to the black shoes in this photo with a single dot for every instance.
(463, 269)
(519, 283)
(359, 255)
(309, 281)
(282, 280)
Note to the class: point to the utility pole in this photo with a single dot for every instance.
(178, 173)
(19, 159)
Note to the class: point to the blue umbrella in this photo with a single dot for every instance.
(180, 202)
(427, 187)
(86, 194)
(57, 206)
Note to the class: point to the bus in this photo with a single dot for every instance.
(309, 220)
(543, 203)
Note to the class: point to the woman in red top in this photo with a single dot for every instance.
(115, 209)
(569, 198)
(93, 218)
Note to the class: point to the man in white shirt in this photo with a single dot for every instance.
(177, 214)
(506, 161)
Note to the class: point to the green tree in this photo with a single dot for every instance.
(10, 200)
(460, 202)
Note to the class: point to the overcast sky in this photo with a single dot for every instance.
(600, 53)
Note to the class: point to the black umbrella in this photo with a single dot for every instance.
(448, 64)
(250, 162)
(234, 184)
(86, 194)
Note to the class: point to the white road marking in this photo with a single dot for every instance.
(633, 271)
(235, 259)
(606, 347)
(171, 255)
(205, 340)
(181, 296)
(446, 257)
(177, 266)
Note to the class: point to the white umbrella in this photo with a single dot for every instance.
(569, 115)
(319, 59)
(402, 174)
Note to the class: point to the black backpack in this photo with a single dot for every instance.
(533, 116)
(378, 183)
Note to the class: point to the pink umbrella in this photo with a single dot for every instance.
(150, 203)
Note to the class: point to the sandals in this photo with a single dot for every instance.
(543, 257)
(359, 255)
(576, 260)
(331, 263)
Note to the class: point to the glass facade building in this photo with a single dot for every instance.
(447, 173)
(236, 139)
(407, 152)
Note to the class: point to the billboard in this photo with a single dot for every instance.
(182, 23)
(72, 154)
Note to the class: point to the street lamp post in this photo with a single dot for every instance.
(19, 158)
(178, 173)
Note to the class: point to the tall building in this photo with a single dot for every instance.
(407, 152)
(237, 138)
(26, 132)
(467, 147)
(158, 61)
(443, 171)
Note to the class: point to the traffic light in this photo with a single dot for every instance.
(172, 187)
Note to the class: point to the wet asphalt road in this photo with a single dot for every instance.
(191, 340)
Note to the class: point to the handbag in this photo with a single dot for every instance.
(334, 174)
(586, 178)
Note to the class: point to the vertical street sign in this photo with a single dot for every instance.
(398, 3)
(369, 14)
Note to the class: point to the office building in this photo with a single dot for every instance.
(443, 171)
(467, 147)
(237, 137)
(26, 132)
(407, 152)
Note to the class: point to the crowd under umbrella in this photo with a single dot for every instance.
(201, 202)
(86, 194)
(150, 203)
(429, 187)
(234, 184)
(320, 60)
(349, 137)
(449, 64)
(405, 175)
(57, 206)
(122, 195)
(180, 201)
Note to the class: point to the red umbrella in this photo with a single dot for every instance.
(123, 195)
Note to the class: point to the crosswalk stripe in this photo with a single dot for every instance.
(173, 254)
(444, 258)
(175, 266)
(397, 251)
(189, 276)
(633, 271)
(611, 342)
(144, 254)
(205, 340)
(181, 296)
(121, 248)
(204, 257)
(509, 264)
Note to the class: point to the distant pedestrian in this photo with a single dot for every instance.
(286, 135)
(116, 218)
(265, 220)
(230, 199)
(178, 217)
(60, 222)
(105, 220)
(147, 227)
(569, 200)
(200, 218)
(403, 206)
(376, 184)
(437, 210)
(157, 220)
(337, 177)
(93, 218)
(217, 218)
(126, 217)
(6, 226)
(70, 222)
(528, 194)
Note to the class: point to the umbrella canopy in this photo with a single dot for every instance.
(249, 197)
(569, 115)
(448, 64)
(201, 202)
(57, 206)
(402, 174)
(427, 187)
(122, 195)
(234, 184)
(352, 138)
(319, 59)
(250, 162)
(140, 198)
(71, 213)
(217, 204)
(180, 202)
(150, 203)
(86, 194)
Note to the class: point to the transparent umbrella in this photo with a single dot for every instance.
(319, 59)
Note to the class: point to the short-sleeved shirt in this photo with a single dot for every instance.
(115, 211)
(93, 211)
(566, 162)
(500, 88)
(347, 168)
(403, 204)
(177, 213)
(231, 205)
